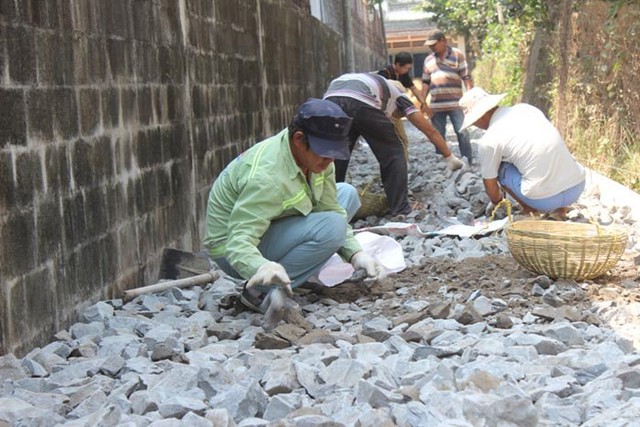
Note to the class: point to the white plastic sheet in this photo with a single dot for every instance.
(386, 250)
(456, 229)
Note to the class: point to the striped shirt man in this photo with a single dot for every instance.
(444, 76)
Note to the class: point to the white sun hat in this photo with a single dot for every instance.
(475, 102)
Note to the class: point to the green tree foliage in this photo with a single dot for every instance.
(498, 33)
(472, 18)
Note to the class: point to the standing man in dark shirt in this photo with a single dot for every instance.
(399, 71)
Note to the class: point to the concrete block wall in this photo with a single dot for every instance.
(367, 37)
(115, 118)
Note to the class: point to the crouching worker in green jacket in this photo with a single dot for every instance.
(275, 214)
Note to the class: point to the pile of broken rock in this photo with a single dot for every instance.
(463, 337)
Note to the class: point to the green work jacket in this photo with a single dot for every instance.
(262, 185)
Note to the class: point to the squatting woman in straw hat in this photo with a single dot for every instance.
(523, 153)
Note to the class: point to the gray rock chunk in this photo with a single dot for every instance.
(243, 400)
(204, 319)
(140, 365)
(503, 322)
(224, 331)
(630, 378)
(289, 332)
(33, 368)
(220, 417)
(468, 316)
(152, 303)
(12, 409)
(482, 409)
(410, 318)
(556, 411)
(98, 312)
(194, 338)
(46, 359)
(107, 416)
(193, 420)
(54, 402)
(115, 345)
(315, 421)
(122, 323)
(565, 333)
(543, 345)
(178, 407)
(112, 366)
(78, 371)
(377, 324)
(524, 354)
(427, 351)
(440, 310)
(369, 352)
(92, 404)
(344, 372)
(543, 281)
(270, 341)
(318, 336)
(380, 417)
(167, 350)
(91, 330)
(550, 297)
(482, 305)
(374, 396)
(307, 376)
(176, 380)
(537, 290)
(141, 402)
(281, 405)
(59, 348)
(413, 414)
(85, 348)
(280, 378)
(161, 334)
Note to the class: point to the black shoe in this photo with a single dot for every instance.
(252, 299)
(228, 301)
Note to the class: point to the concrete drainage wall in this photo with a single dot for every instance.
(115, 117)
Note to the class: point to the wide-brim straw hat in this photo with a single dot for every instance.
(475, 103)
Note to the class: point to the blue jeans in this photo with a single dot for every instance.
(439, 121)
(510, 177)
(303, 244)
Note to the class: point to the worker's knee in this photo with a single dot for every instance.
(348, 198)
(331, 230)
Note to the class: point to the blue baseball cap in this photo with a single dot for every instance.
(326, 127)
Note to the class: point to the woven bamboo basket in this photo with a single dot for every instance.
(372, 204)
(568, 250)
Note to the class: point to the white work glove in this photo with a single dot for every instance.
(489, 209)
(365, 261)
(453, 163)
(271, 274)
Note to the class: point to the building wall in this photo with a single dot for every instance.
(116, 116)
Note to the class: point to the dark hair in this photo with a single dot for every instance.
(403, 58)
(295, 127)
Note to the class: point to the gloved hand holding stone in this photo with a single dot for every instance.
(489, 209)
(453, 163)
(365, 261)
(271, 274)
